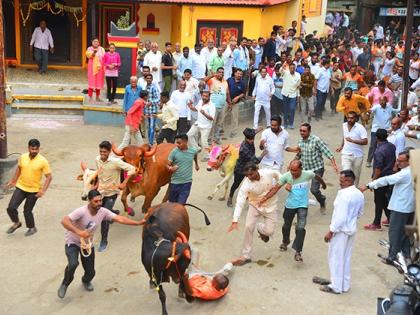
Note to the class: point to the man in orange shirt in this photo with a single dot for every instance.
(203, 285)
(350, 102)
(353, 79)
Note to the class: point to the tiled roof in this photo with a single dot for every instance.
(224, 2)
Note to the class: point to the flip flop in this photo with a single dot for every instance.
(321, 281)
(327, 289)
(241, 261)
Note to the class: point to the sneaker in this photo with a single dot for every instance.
(62, 291)
(31, 231)
(263, 237)
(373, 227)
(88, 286)
(385, 222)
(102, 246)
(13, 228)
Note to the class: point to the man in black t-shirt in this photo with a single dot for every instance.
(167, 67)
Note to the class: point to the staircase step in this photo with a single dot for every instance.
(47, 108)
(48, 98)
(44, 117)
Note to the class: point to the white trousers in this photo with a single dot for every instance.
(339, 260)
(193, 135)
(350, 162)
(127, 137)
(257, 109)
(265, 228)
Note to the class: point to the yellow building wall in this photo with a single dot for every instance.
(176, 23)
(293, 13)
(163, 21)
(274, 15)
(317, 22)
(251, 18)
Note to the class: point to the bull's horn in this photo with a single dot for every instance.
(116, 151)
(151, 152)
(83, 166)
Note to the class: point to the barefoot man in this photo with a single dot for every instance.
(256, 185)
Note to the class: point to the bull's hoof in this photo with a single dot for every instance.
(222, 199)
(210, 197)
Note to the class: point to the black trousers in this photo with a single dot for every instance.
(182, 126)
(111, 88)
(398, 240)
(315, 187)
(18, 197)
(372, 146)
(288, 216)
(381, 198)
(276, 106)
(237, 180)
(88, 263)
(108, 203)
(41, 58)
(166, 134)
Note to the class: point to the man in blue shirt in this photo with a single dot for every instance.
(185, 62)
(383, 165)
(131, 94)
(401, 204)
(237, 93)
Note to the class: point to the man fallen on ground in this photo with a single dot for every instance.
(205, 285)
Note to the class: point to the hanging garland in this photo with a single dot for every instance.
(44, 4)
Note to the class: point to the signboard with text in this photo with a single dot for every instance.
(397, 11)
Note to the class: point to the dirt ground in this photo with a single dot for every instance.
(31, 269)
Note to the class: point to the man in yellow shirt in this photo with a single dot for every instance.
(350, 102)
(27, 179)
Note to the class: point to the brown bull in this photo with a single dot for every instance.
(152, 172)
(165, 250)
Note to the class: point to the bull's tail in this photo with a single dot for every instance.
(206, 218)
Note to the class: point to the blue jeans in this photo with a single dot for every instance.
(179, 192)
(289, 105)
(321, 98)
(151, 125)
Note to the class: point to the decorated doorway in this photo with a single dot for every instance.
(220, 31)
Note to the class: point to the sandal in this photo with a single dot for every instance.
(327, 289)
(283, 247)
(241, 261)
(263, 237)
(298, 257)
(321, 281)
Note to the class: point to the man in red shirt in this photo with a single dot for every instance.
(133, 120)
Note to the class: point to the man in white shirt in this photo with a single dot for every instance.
(379, 32)
(290, 92)
(41, 43)
(274, 141)
(205, 115)
(354, 138)
(169, 117)
(263, 91)
(348, 207)
(181, 99)
(255, 186)
(142, 81)
(321, 87)
(153, 59)
(228, 56)
(357, 50)
(396, 136)
(209, 51)
(199, 65)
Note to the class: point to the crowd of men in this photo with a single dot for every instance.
(187, 95)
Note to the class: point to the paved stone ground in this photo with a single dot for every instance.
(31, 268)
